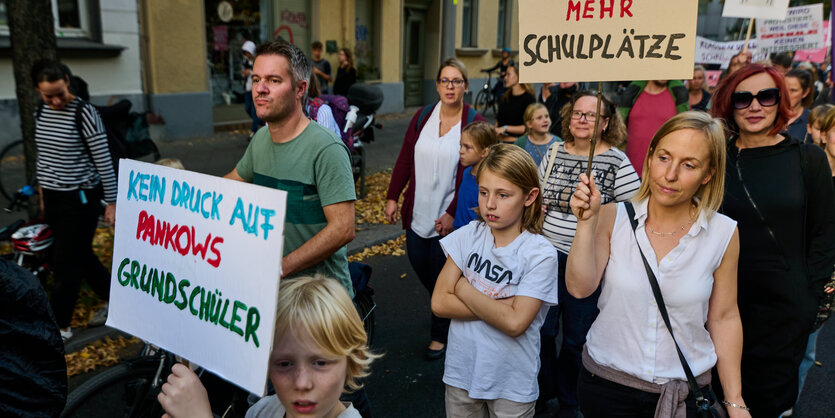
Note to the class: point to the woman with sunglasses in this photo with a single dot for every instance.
(617, 181)
(780, 192)
(429, 164)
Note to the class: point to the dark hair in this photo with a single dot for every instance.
(722, 107)
(49, 70)
(783, 59)
(805, 79)
(314, 90)
(299, 64)
(316, 45)
(614, 134)
(349, 56)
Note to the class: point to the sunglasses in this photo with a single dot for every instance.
(765, 97)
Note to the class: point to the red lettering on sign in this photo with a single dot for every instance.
(624, 7)
(575, 7)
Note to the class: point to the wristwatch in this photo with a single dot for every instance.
(505, 130)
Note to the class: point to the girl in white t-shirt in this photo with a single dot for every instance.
(496, 286)
(319, 351)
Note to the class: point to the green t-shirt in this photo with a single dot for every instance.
(315, 170)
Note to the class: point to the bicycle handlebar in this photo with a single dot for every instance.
(19, 197)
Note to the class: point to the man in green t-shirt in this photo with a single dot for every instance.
(304, 159)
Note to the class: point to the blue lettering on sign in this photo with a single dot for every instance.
(195, 200)
(249, 218)
(146, 187)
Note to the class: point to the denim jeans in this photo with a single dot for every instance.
(427, 259)
(558, 375)
(808, 360)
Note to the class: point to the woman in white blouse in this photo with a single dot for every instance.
(630, 364)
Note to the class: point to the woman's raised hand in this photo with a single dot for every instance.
(391, 211)
(587, 198)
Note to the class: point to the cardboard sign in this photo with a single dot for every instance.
(816, 55)
(713, 52)
(758, 9)
(802, 29)
(196, 266)
(606, 40)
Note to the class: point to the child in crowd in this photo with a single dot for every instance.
(538, 137)
(475, 139)
(813, 129)
(496, 286)
(320, 350)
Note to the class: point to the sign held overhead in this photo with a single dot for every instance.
(758, 9)
(606, 40)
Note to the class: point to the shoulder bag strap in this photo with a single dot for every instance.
(552, 156)
(656, 290)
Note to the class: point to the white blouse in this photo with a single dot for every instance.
(629, 334)
(436, 163)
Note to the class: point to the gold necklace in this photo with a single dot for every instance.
(669, 234)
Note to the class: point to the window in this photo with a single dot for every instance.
(71, 18)
(504, 24)
(469, 19)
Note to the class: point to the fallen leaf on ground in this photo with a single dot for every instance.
(104, 352)
(391, 247)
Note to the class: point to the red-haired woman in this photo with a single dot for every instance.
(780, 193)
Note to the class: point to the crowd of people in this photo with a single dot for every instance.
(690, 261)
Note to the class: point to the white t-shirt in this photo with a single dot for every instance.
(480, 359)
(271, 407)
(436, 163)
(629, 334)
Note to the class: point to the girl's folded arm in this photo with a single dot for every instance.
(445, 303)
(512, 319)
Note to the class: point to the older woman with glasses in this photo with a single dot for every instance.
(429, 164)
(617, 182)
(780, 193)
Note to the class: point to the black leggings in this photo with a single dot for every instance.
(73, 227)
(428, 259)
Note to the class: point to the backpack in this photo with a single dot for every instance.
(340, 108)
(313, 106)
(115, 120)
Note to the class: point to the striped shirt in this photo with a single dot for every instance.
(613, 174)
(63, 162)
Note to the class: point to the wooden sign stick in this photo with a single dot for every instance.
(748, 35)
(594, 134)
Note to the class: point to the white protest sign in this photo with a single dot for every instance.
(606, 40)
(816, 55)
(758, 9)
(196, 266)
(713, 52)
(802, 29)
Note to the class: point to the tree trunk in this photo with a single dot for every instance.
(32, 35)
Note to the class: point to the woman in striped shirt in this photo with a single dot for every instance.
(617, 181)
(75, 174)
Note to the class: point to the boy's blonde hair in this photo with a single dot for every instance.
(529, 111)
(515, 165)
(321, 308)
(482, 133)
(171, 162)
(709, 196)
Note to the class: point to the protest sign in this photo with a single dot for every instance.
(712, 77)
(196, 266)
(816, 55)
(713, 52)
(606, 40)
(802, 29)
(758, 9)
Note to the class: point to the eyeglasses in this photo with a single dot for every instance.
(765, 97)
(590, 116)
(457, 82)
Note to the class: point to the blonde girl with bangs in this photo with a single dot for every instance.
(630, 366)
(496, 287)
(537, 138)
(320, 351)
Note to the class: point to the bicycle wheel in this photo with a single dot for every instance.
(12, 169)
(481, 102)
(124, 390)
(366, 308)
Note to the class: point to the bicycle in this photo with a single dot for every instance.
(30, 242)
(485, 100)
(130, 388)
